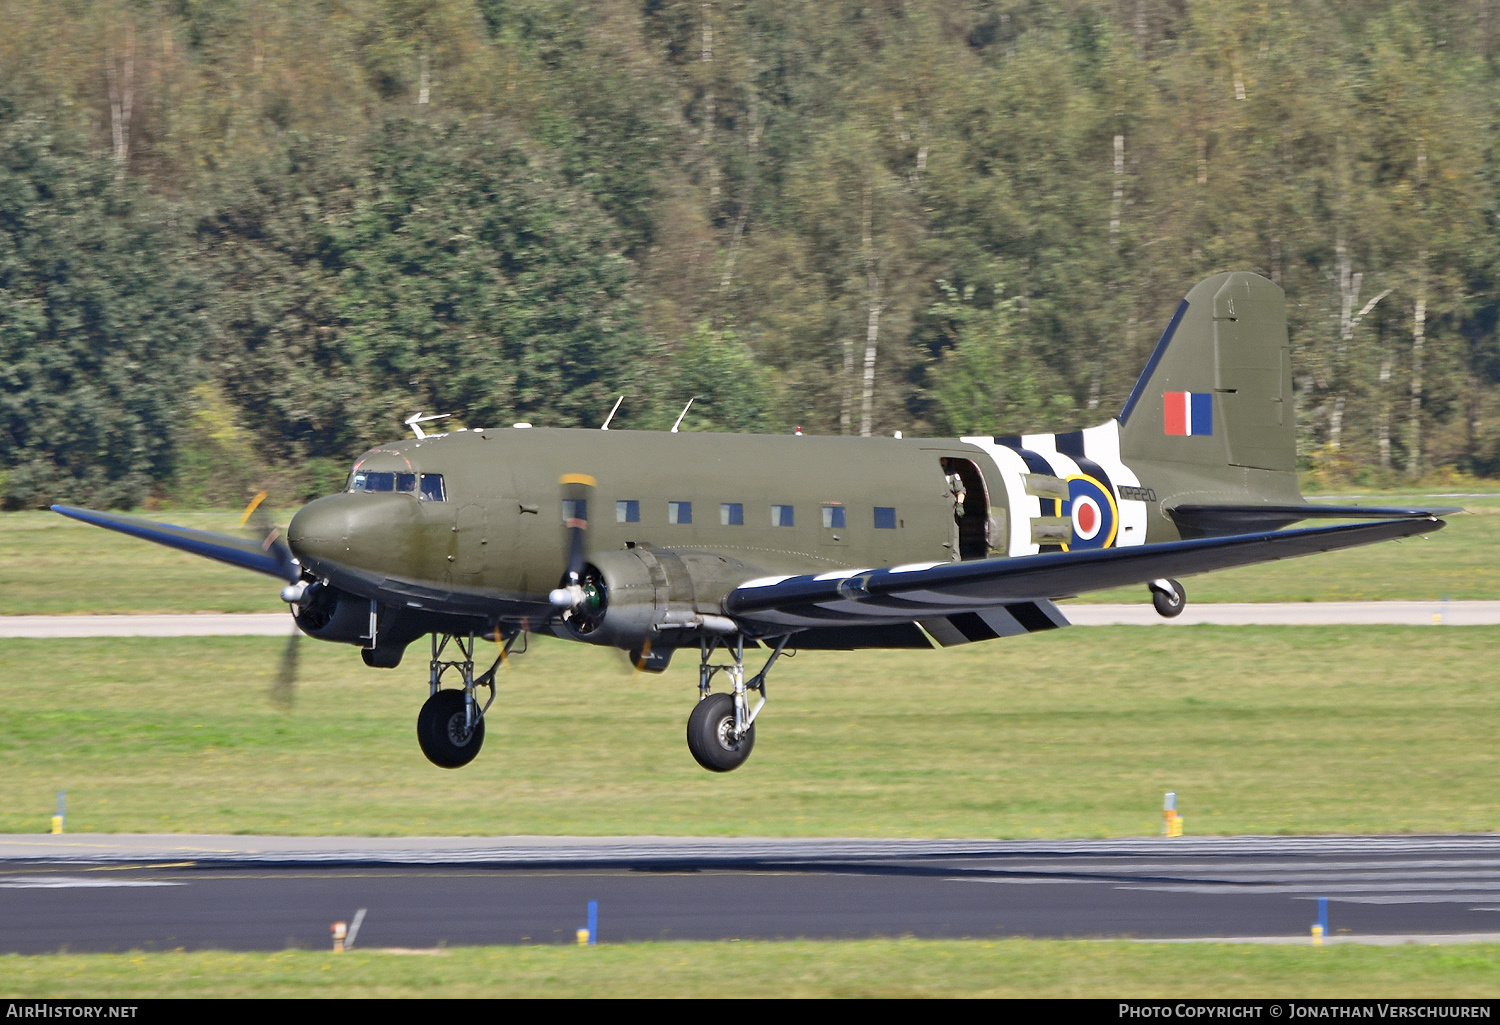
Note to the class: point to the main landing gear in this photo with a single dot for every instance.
(450, 727)
(721, 729)
(1168, 597)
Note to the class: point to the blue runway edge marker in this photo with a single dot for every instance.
(1322, 915)
(593, 922)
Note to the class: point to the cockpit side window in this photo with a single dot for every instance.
(401, 483)
(377, 481)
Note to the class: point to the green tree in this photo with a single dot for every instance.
(101, 323)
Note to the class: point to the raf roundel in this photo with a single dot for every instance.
(1093, 511)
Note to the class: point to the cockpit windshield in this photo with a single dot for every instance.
(431, 489)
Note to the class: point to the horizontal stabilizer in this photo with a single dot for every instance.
(271, 557)
(1226, 520)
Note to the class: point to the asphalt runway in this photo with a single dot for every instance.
(1400, 613)
(118, 893)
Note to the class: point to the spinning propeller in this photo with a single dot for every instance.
(259, 526)
(579, 598)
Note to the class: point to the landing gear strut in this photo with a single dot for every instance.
(450, 727)
(1168, 597)
(721, 729)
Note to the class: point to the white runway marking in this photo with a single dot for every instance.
(74, 883)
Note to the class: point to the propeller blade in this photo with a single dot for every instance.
(270, 537)
(284, 690)
(576, 490)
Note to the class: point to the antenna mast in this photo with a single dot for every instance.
(605, 425)
(683, 413)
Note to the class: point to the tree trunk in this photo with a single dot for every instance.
(1349, 283)
(873, 305)
(119, 74)
(1418, 327)
(1117, 201)
(1383, 429)
(846, 404)
(1418, 343)
(710, 112)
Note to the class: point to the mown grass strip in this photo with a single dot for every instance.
(1075, 733)
(798, 968)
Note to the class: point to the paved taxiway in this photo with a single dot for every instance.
(1399, 613)
(159, 892)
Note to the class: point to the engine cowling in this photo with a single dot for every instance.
(329, 614)
(638, 595)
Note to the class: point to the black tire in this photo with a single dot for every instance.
(440, 731)
(708, 735)
(1169, 603)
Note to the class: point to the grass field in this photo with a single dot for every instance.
(1076, 733)
(865, 968)
(53, 565)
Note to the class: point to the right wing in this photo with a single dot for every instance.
(1223, 520)
(1018, 588)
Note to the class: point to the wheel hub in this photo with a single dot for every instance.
(458, 732)
(725, 732)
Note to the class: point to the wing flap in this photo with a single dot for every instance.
(950, 589)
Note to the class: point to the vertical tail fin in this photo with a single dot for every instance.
(1215, 400)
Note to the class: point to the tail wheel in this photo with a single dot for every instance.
(710, 735)
(443, 733)
(1169, 603)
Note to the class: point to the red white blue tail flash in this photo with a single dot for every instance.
(1188, 413)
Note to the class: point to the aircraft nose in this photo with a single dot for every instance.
(320, 529)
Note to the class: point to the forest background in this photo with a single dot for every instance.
(242, 240)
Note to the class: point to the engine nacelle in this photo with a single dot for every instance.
(638, 595)
(329, 614)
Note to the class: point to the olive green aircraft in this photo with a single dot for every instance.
(652, 542)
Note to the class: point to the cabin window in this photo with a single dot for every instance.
(679, 512)
(833, 516)
(432, 488)
(575, 509)
(781, 516)
(732, 514)
(628, 511)
(885, 517)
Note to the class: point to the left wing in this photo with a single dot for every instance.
(1018, 589)
(271, 556)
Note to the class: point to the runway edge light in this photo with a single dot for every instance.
(339, 930)
(589, 934)
(59, 821)
(1171, 821)
(1320, 928)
